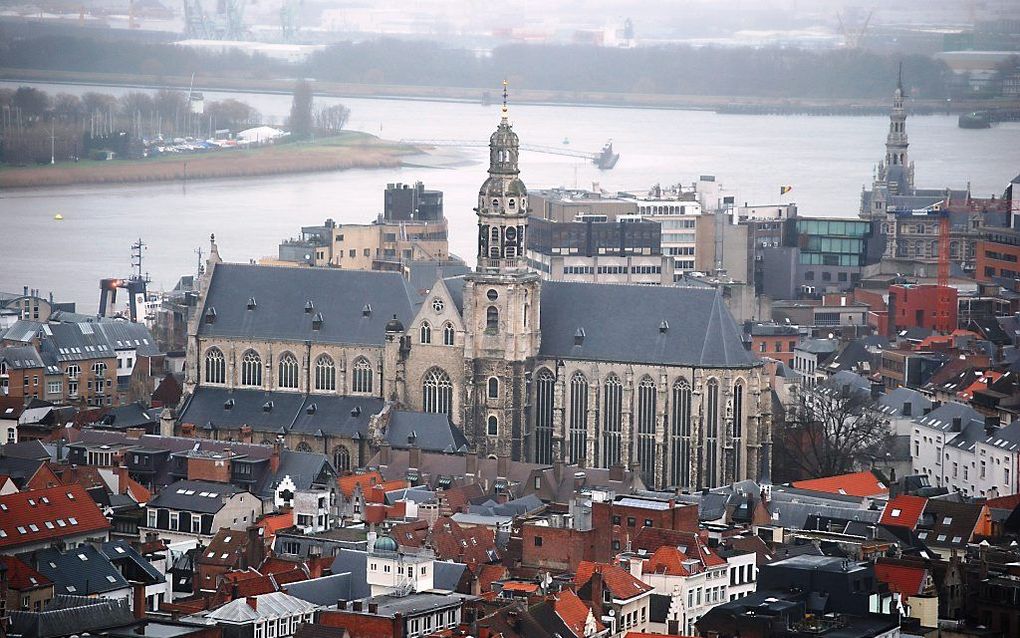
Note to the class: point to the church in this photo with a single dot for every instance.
(595, 375)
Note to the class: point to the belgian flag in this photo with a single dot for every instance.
(784, 190)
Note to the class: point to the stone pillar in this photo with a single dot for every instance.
(661, 424)
(627, 434)
(591, 425)
(559, 438)
(697, 430)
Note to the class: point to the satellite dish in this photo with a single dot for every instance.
(307, 256)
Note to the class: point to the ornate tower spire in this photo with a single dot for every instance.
(897, 171)
(502, 202)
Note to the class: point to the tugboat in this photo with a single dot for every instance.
(977, 119)
(606, 158)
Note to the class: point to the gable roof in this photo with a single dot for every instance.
(21, 357)
(48, 514)
(280, 295)
(195, 496)
(854, 484)
(272, 605)
(905, 580)
(573, 612)
(624, 323)
(71, 615)
(619, 582)
(903, 511)
(82, 571)
(21, 577)
(128, 335)
(949, 524)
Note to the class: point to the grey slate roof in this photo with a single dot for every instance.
(941, 418)
(432, 432)
(132, 415)
(355, 563)
(622, 322)
(21, 357)
(893, 402)
(23, 330)
(322, 591)
(120, 552)
(127, 335)
(71, 615)
(82, 571)
(272, 605)
(194, 496)
(75, 342)
(446, 575)
(281, 293)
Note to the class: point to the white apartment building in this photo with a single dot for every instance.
(962, 450)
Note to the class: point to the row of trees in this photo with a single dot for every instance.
(668, 69)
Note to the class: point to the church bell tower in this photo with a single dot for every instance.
(501, 307)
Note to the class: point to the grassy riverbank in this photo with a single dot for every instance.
(348, 150)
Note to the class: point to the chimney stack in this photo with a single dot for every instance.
(274, 459)
(503, 465)
(253, 602)
(471, 464)
(384, 453)
(907, 408)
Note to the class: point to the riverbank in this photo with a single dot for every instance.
(345, 151)
(792, 105)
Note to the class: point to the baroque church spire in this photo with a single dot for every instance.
(896, 170)
(502, 202)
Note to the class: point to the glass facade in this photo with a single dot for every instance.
(830, 242)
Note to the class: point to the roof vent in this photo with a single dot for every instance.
(251, 303)
(356, 410)
(311, 409)
(210, 315)
(579, 337)
(228, 404)
(664, 326)
(309, 307)
(267, 406)
(317, 321)
(366, 310)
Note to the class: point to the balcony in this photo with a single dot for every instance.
(510, 263)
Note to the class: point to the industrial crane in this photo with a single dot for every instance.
(944, 300)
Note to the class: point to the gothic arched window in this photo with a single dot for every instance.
(738, 427)
(680, 434)
(303, 447)
(578, 417)
(425, 332)
(544, 392)
(325, 373)
(251, 369)
(215, 366)
(492, 319)
(342, 459)
(362, 376)
(288, 374)
(448, 334)
(437, 392)
(493, 388)
(612, 420)
(711, 434)
(646, 430)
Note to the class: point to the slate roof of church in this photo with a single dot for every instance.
(281, 293)
(622, 323)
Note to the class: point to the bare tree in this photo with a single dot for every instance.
(332, 119)
(831, 429)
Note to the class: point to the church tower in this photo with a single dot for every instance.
(501, 307)
(896, 171)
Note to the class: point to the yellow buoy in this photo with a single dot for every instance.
(58, 217)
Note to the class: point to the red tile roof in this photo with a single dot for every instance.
(573, 612)
(473, 546)
(903, 511)
(21, 577)
(489, 574)
(693, 544)
(854, 484)
(666, 560)
(138, 492)
(619, 582)
(48, 514)
(1002, 502)
(905, 580)
(518, 586)
(348, 483)
(273, 523)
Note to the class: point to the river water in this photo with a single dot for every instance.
(825, 159)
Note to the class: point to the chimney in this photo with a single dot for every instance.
(991, 424)
(341, 604)
(471, 464)
(414, 458)
(122, 479)
(384, 453)
(876, 390)
(253, 602)
(616, 472)
(274, 459)
(357, 605)
(503, 466)
(596, 591)
(138, 602)
(957, 424)
(373, 608)
(907, 408)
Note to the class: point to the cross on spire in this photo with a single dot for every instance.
(505, 83)
(899, 77)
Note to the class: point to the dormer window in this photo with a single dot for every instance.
(210, 315)
(251, 303)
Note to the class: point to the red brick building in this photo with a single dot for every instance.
(624, 516)
(998, 255)
(916, 306)
(558, 548)
(774, 341)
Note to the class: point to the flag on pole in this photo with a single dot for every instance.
(784, 190)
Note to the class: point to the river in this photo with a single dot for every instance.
(825, 159)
